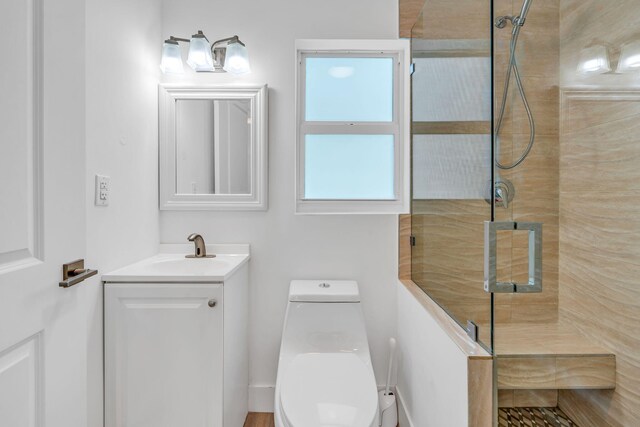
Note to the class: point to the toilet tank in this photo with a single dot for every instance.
(324, 291)
(325, 319)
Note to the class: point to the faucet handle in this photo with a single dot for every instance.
(503, 193)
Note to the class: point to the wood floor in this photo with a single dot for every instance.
(259, 419)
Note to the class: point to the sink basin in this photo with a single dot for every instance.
(173, 267)
(189, 266)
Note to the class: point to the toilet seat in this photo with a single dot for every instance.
(329, 390)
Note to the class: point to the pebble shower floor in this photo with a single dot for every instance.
(533, 417)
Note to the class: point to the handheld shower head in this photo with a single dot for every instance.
(523, 12)
(517, 21)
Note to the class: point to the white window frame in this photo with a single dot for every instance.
(399, 127)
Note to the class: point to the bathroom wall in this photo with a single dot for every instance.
(123, 41)
(286, 246)
(444, 378)
(599, 209)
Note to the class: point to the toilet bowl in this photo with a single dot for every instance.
(325, 377)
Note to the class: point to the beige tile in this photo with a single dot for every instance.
(409, 12)
(437, 20)
(544, 99)
(527, 398)
(526, 373)
(598, 373)
(404, 248)
(480, 392)
(556, 372)
(602, 156)
(535, 398)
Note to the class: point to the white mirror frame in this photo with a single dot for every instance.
(257, 198)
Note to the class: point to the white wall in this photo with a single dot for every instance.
(123, 41)
(285, 246)
(432, 369)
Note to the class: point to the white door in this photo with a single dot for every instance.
(43, 331)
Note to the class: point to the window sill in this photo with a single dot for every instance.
(346, 207)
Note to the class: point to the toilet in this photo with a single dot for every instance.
(325, 377)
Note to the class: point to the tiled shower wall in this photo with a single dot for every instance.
(600, 205)
(536, 179)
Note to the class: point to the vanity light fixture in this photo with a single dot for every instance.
(594, 60)
(629, 58)
(225, 55)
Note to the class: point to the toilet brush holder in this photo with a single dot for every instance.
(388, 409)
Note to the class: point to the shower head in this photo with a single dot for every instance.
(516, 21)
(523, 13)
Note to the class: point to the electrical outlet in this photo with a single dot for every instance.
(103, 184)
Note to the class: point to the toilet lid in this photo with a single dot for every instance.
(329, 390)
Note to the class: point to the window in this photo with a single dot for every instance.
(352, 126)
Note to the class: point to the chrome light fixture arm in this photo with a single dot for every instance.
(175, 40)
(228, 40)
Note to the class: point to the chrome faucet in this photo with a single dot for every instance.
(201, 248)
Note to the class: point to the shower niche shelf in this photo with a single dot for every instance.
(551, 357)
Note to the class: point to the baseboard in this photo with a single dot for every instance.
(404, 419)
(261, 398)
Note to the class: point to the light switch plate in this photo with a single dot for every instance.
(103, 186)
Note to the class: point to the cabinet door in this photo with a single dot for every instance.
(163, 355)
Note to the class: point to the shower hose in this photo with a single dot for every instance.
(512, 69)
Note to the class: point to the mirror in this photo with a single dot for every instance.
(213, 148)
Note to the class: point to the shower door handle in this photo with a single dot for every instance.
(491, 283)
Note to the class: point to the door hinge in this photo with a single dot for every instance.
(472, 330)
(412, 240)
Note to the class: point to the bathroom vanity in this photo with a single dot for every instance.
(176, 343)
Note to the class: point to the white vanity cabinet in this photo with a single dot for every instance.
(176, 354)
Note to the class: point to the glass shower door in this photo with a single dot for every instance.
(452, 158)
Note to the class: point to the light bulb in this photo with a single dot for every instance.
(236, 59)
(171, 62)
(200, 58)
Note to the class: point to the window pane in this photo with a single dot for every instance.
(349, 89)
(451, 89)
(349, 167)
(451, 167)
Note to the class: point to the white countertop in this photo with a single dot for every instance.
(171, 266)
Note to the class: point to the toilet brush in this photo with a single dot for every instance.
(386, 398)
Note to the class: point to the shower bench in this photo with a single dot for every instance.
(536, 360)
